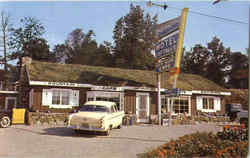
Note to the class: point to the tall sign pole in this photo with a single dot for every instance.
(168, 50)
(178, 55)
(248, 155)
(159, 96)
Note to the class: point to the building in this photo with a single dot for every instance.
(8, 93)
(64, 87)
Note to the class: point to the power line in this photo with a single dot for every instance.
(212, 16)
(198, 13)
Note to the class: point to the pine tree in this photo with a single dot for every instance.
(134, 37)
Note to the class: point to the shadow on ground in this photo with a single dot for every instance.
(67, 132)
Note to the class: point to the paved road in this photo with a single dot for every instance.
(20, 141)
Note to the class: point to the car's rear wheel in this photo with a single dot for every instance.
(77, 131)
(108, 130)
(5, 122)
(119, 127)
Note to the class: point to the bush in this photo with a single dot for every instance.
(200, 145)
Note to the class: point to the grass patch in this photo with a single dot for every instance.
(44, 71)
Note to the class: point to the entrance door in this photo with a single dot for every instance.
(10, 103)
(142, 107)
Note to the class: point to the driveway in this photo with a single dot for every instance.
(20, 141)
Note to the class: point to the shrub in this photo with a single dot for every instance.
(199, 145)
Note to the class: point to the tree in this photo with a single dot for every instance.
(134, 37)
(5, 25)
(77, 48)
(27, 40)
(219, 60)
(211, 62)
(238, 71)
(81, 48)
(102, 56)
(59, 53)
(194, 62)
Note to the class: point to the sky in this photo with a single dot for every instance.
(62, 17)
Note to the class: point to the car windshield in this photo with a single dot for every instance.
(95, 108)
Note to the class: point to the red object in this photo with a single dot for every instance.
(174, 71)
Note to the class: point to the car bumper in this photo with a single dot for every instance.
(87, 128)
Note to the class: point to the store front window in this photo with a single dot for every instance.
(106, 96)
(181, 105)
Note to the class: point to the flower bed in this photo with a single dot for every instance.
(234, 133)
(199, 145)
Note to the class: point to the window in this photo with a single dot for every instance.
(208, 103)
(90, 99)
(105, 96)
(180, 105)
(56, 97)
(94, 108)
(10, 103)
(60, 98)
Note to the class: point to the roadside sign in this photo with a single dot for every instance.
(172, 92)
(168, 33)
(169, 48)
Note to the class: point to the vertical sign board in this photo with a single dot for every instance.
(167, 33)
(169, 48)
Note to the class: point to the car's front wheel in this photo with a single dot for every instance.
(5, 122)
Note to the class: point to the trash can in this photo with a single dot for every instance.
(18, 116)
(131, 120)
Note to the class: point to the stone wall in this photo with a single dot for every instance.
(47, 119)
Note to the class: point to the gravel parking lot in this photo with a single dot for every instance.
(20, 141)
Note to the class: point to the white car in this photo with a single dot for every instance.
(96, 116)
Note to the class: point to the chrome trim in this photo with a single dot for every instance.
(87, 129)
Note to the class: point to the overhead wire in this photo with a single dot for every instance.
(211, 16)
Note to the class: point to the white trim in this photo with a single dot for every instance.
(209, 110)
(9, 92)
(147, 107)
(183, 92)
(140, 88)
(211, 92)
(106, 88)
(6, 102)
(58, 84)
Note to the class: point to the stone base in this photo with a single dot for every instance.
(47, 119)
